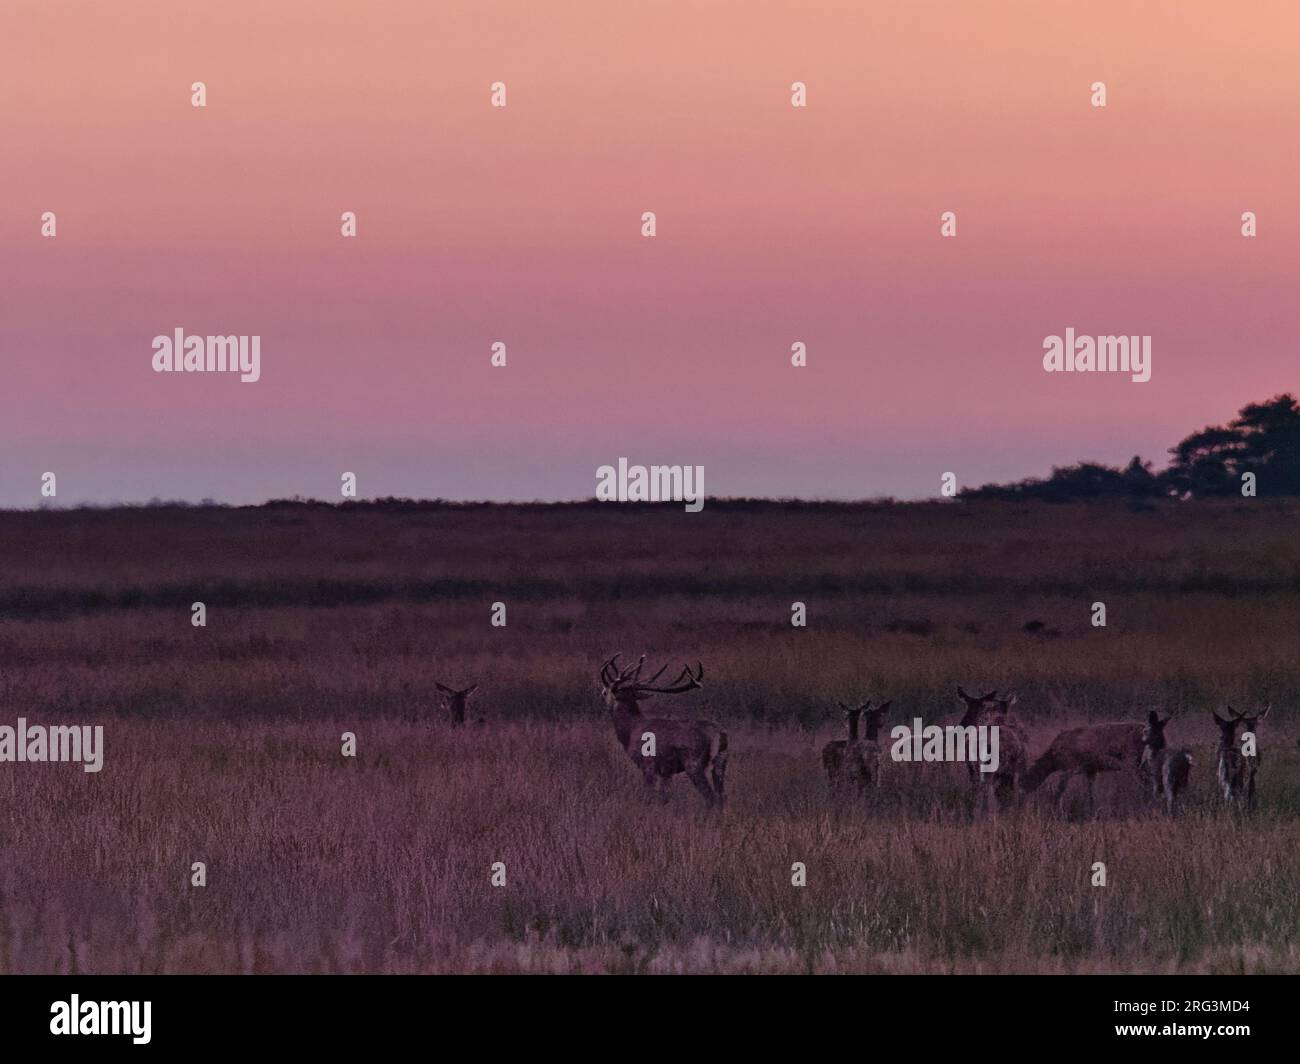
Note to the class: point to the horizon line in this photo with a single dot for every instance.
(398, 502)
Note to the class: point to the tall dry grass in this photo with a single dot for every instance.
(319, 863)
(223, 742)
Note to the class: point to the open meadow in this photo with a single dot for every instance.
(222, 743)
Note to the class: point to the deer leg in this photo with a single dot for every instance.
(651, 779)
(719, 770)
(1061, 787)
(697, 777)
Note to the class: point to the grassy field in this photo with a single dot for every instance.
(223, 742)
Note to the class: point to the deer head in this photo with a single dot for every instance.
(454, 701)
(870, 720)
(625, 688)
(975, 706)
(1153, 735)
(852, 715)
(1241, 718)
(1000, 708)
(1227, 728)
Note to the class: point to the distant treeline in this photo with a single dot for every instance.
(1263, 439)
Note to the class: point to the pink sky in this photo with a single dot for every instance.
(775, 224)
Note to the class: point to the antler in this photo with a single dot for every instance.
(610, 673)
(685, 681)
(632, 671)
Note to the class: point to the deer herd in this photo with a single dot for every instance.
(664, 747)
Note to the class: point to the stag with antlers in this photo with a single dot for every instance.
(660, 746)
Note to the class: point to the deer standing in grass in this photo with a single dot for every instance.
(660, 746)
(854, 763)
(1003, 784)
(975, 706)
(1089, 750)
(1165, 770)
(1237, 769)
(454, 702)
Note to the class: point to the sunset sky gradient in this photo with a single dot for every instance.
(522, 225)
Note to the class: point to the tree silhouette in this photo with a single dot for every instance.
(1264, 439)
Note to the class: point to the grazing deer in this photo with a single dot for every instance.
(854, 763)
(1236, 770)
(1165, 770)
(1003, 783)
(454, 702)
(1088, 750)
(659, 746)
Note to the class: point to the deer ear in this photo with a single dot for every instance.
(884, 706)
(962, 694)
(470, 690)
(843, 707)
(444, 690)
(1217, 718)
